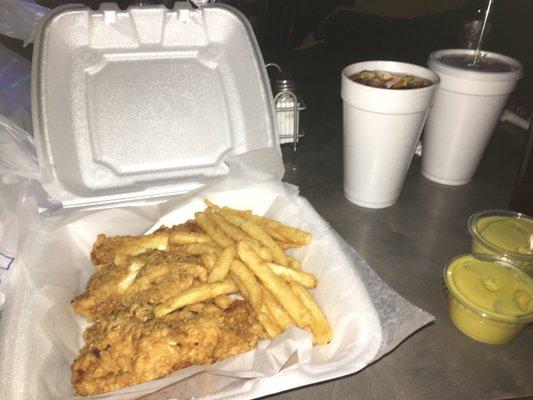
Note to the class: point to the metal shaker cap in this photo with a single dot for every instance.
(283, 82)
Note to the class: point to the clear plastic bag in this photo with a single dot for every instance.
(18, 18)
(18, 174)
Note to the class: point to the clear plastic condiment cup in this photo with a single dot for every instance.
(492, 244)
(470, 315)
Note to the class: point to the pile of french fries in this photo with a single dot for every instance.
(245, 255)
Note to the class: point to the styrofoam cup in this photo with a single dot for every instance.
(467, 108)
(381, 131)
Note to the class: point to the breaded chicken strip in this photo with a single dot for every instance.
(106, 248)
(146, 279)
(131, 346)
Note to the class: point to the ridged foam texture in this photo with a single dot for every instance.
(145, 102)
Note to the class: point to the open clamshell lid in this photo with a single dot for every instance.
(146, 102)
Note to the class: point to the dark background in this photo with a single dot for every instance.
(348, 36)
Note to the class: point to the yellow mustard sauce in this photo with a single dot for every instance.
(509, 234)
(489, 299)
(495, 289)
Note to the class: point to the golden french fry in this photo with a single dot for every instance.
(262, 237)
(274, 234)
(295, 264)
(291, 275)
(242, 289)
(221, 268)
(261, 251)
(288, 245)
(208, 260)
(248, 280)
(238, 234)
(209, 227)
(211, 205)
(274, 228)
(276, 311)
(248, 215)
(185, 237)
(294, 235)
(197, 249)
(223, 301)
(232, 218)
(265, 254)
(277, 286)
(319, 324)
(194, 295)
(232, 231)
(270, 327)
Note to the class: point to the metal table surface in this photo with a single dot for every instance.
(408, 245)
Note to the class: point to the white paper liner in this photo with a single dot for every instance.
(40, 335)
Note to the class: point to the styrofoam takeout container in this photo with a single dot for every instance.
(467, 108)
(146, 102)
(381, 130)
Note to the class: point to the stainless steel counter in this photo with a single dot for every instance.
(408, 245)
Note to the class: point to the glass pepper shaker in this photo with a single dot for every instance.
(288, 106)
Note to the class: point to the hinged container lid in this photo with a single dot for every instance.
(145, 102)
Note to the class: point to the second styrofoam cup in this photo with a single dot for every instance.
(381, 130)
(467, 108)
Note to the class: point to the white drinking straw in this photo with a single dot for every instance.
(477, 56)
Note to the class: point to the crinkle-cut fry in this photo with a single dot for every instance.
(249, 282)
(208, 260)
(197, 249)
(295, 264)
(277, 286)
(262, 237)
(294, 235)
(223, 301)
(222, 265)
(274, 234)
(196, 294)
(209, 227)
(185, 237)
(319, 324)
(270, 327)
(276, 311)
(291, 275)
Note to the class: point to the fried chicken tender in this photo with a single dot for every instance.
(146, 279)
(106, 248)
(131, 346)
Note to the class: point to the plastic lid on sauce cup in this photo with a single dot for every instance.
(504, 232)
(492, 286)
